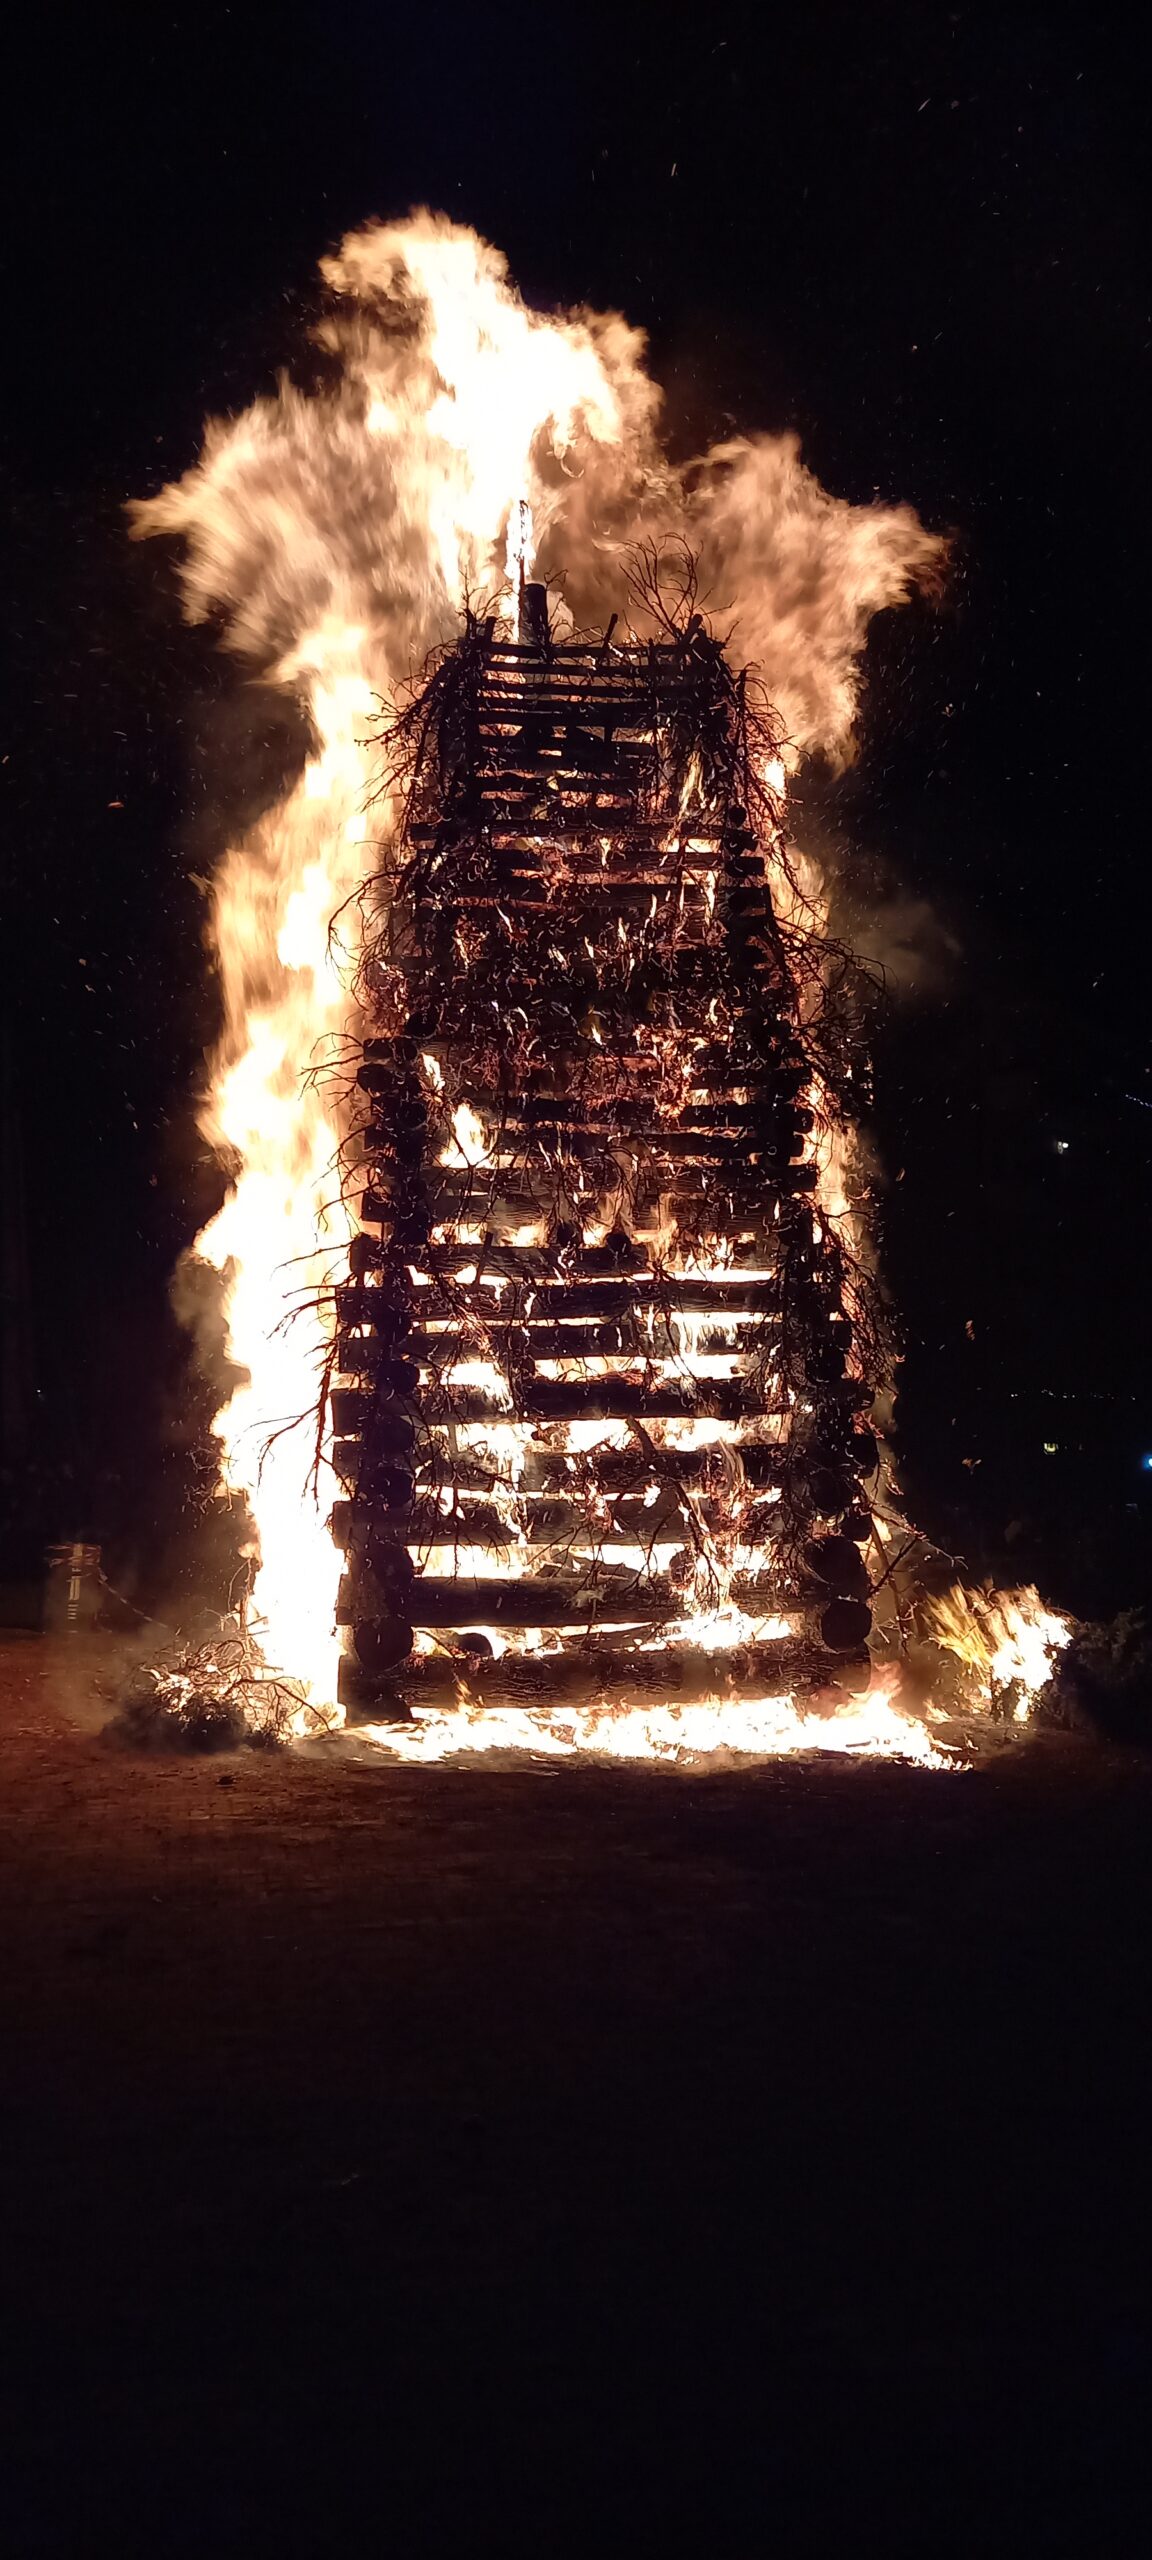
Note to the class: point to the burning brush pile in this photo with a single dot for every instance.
(546, 1260)
(218, 1695)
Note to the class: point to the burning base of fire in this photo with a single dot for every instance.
(216, 1696)
(868, 1726)
(980, 1662)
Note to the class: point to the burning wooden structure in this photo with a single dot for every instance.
(600, 1388)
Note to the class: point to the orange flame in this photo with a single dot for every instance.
(1007, 1640)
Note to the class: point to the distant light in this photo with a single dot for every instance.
(1061, 1146)
(1051, 1447)
(1146, 1462)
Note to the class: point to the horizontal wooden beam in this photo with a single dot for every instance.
(619, 1676)
(630, 1339)
(546, 1471)
(638, 1284)
(528, 1602)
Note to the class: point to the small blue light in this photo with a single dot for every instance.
(1146, 1462)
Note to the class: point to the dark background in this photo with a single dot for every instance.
(910, 233)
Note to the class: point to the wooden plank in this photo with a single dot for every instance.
(536, 1263)
(534, 1151)
(583, 1328)
(594, 1400)
(607, 1673)
(632, 830)
(548, 1473)
(627, 1118)
(545, 1342)
(546, 1520)
(617, 897)
(627, 1115)
(529, 1602)
(638, 1283)
(617, 1399)
(646, 1149)
(668, 1294)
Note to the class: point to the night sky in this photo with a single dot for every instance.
(909, 233)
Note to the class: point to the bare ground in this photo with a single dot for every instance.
(566, 2158)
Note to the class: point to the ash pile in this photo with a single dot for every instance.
(604, 1363)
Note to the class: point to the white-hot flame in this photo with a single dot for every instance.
(468, 1145)
(750, 1728)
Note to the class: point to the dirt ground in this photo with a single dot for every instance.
(562, 2157)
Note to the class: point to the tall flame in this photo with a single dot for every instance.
(284, 1227)
(460, 442)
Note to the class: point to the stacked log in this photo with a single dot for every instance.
(594, 1368)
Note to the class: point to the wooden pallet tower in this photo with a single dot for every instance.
(597, 1407)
